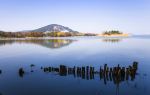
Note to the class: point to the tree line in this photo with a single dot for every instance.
(21, 34)
(35, 34)
(112, 32)
(42, 34)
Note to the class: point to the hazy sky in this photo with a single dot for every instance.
(131, 16)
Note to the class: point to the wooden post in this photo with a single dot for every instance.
(63, 70)
(21, 72)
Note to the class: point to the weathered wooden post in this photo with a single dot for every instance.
(127, 73)
(45, 69)
(87, 72)
(114, 71)
(101, 73)
(119, 75)
(135, 65)
(21, 72)
(32, 65)
(83, 72)
(70, 70)
(49, 69)
(63, 70)
(83, 69)
(105, 67)
(53, 69)
(107, 71)
(91, 72)
(132, 72)
(74, 71)
(122, 73)
(118, 67)
(110, 74)
(77, 71)
(80, 71)
(91, 69)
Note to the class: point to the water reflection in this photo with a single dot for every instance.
(112, 40)
(49, 43)
(69, 80)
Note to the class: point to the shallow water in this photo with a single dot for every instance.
(76, 51)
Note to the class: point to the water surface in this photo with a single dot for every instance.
(76, 51)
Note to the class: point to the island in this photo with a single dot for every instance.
(113, 33)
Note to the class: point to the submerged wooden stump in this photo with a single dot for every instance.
(21, 72)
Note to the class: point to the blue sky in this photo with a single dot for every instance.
(131, 16)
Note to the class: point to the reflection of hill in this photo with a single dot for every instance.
(112, 40)
(51, 43)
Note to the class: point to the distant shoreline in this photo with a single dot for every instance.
(42, 38)
(67, 37)
(114, 35)
(32, 38)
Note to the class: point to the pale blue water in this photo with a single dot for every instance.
(76, 51)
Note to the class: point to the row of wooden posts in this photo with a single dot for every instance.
(115, 74)
(88, 72)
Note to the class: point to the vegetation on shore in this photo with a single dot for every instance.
(42, 34)
(113, 32)
(58, 34)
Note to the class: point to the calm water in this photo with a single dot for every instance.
(80, 51)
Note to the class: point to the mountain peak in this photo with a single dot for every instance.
(54, 28)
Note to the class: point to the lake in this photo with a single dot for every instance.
(71, 66)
